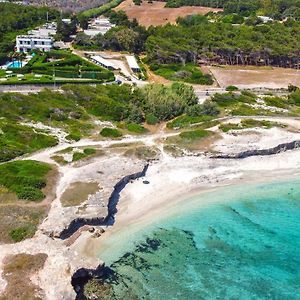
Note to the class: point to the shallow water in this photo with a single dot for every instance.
(246, 245)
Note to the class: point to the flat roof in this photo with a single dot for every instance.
(34, 37)
(103, 61)
(132, 62)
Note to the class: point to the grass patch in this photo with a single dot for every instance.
(78, 156)
(245, 110)
(21, 233)
(16, 140)
(151, 119)
(87, 152)
(198, 139)
(136, 128)
(111, 133)
(194, 135)
(25, 178)
(143, 152)
(59, 159)
(185, 121)
(19, 222)
(231, 98)
(276, 102)
(189, 73)
(78, 192)
(249, 123)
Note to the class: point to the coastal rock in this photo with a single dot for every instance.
(261, 152)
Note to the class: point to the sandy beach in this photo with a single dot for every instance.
(168, 191)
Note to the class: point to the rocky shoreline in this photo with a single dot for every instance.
(109, 220)
(261, 152)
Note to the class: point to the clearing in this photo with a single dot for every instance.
(156, 14)
(255, 77)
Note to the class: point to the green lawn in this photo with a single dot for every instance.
(189, 73)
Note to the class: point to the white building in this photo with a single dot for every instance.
(265, 19)
(26, 43)
(103, 62)
(98, 26)
(48, 29)
(132, 63)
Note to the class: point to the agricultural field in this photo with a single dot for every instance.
(255, 77)
(156, 13)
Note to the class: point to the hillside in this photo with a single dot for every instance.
(69, 5)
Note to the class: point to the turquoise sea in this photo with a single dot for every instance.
(244, 245)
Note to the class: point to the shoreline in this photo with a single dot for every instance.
(135, 216)
(132, 229)
(171, 181)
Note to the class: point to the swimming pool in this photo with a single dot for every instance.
(14, 64)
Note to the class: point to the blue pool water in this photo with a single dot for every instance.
(244, 246)
(14, 64)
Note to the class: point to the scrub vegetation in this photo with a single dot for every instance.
(249, 123)
(25, 178)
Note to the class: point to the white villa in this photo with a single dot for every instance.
(37, 39)
(98, 26)
(26, 43)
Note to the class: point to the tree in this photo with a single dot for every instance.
(163, 102)
(83, 22)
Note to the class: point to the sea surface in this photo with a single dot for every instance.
(243, 244)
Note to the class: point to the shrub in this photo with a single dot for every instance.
(110, 132)
(28, 193)
(89, 151)
(75, 136)
(78, 156)
(184, 120)
(136, 128)
(23, 232)
(276, 101)
(151, 119)
(194, 134)
(25, 178)
(231, 88)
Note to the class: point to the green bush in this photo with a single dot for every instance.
(28, 193)
(231, 88)
(136, 128)
(21, 233)
(75, 136)
(78, 156)
(151, 119)
(110, 132)
(89, 151)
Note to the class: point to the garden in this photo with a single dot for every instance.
(58, 65)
